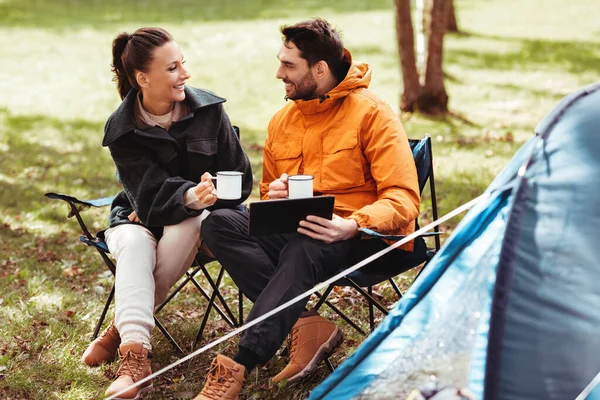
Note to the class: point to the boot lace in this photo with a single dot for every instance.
(219, 380)
(132, 364)
(292, 343)
(112, 332)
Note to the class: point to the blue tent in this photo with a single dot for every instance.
(509, 309)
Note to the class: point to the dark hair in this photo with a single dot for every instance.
(134, 52)
(317, 40)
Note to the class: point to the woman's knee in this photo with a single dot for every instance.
(129, 236)
(187, 227)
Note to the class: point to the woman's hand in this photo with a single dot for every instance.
(134, 218)
(205, 190)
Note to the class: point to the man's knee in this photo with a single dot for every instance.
(302, 244)
(309, 254)
(218, 222)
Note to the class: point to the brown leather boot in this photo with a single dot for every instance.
(103, 348)
(135, 365)
(312, 339)
(224, 380)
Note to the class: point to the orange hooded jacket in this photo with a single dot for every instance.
(355, 147)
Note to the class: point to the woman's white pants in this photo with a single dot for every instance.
(146, 270)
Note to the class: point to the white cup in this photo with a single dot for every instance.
(229, 185)
(300, 186)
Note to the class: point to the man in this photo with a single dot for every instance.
(353, 144)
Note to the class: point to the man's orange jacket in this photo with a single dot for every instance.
(355, 147)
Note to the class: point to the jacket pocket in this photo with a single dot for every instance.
(287, 156)
(207, 147)
(202, 156)
(342, 161)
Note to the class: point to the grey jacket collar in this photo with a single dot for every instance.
(121, 121)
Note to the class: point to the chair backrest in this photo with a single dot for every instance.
(423, 156)
(421, 149)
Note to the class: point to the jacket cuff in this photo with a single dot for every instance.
(359, 220)
(190, 200)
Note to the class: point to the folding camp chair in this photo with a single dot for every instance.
(76, 206)
(423, 156)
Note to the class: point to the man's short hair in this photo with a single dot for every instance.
(317, 40)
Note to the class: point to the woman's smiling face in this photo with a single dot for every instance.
(166, 75)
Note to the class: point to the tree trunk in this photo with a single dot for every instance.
(423, 14)
(433, 98)
(426, 17)
(452, 25)
(406, 52)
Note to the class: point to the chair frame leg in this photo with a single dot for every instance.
(368, 296)
(434, 205)
(371, 311)
(190, 277)
(109, 300)
(395, 287)
(240, 307)
(168, 336)
(323, 297)
(211, 304)
(337, 311)
(232, 321)
(328, 364)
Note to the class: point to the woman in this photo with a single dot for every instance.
(166, 140)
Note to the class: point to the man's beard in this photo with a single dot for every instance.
(306, 89)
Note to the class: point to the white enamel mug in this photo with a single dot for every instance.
(300, 186)
(229, 185)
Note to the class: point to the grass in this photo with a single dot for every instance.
(511, 65)
(97, 13)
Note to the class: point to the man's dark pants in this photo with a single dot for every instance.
(273, 269)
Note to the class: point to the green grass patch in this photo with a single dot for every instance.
(98, 13)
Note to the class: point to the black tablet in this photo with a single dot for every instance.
(284, 215)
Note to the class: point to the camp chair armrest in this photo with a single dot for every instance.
(372, 233)
(101, 202)
(76, 206)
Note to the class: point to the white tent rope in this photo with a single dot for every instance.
(588, 389)
(306, 294)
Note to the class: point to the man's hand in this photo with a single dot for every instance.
(205, 191)
(328, 231)
(134, 218)
(278, 189)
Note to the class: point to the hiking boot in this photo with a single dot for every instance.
(224, 380)
(135, 365)
(103, 348)
(311, 340)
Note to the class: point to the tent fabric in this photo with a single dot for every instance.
(509, 306)
(548, 317)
